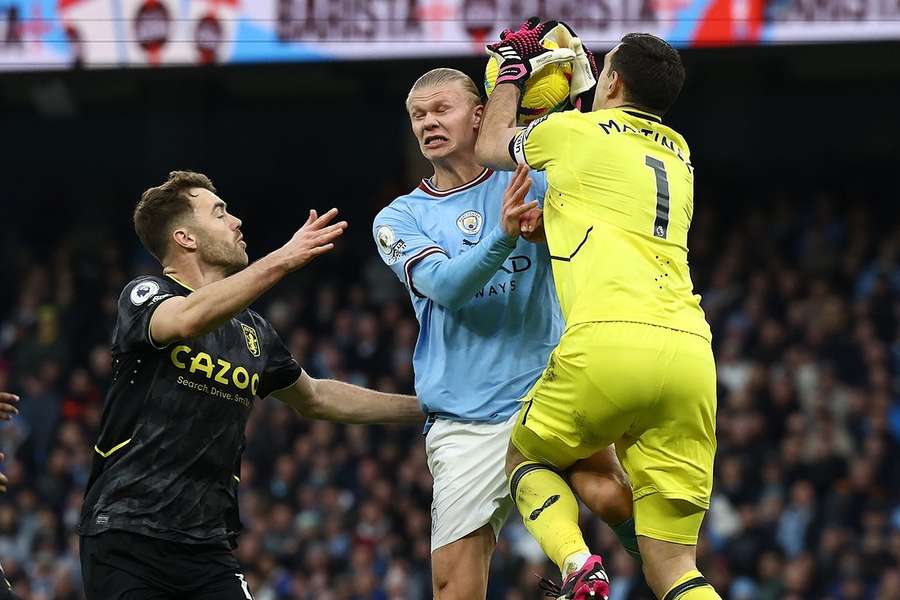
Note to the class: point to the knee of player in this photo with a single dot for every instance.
(439, 581)
(452, 587)
(619, 500)
(606, 495)
(623, 491)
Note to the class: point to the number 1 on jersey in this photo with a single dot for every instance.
(661, 224)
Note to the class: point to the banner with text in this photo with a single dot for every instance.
(61, 34)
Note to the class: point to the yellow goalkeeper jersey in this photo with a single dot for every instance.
(617, 212)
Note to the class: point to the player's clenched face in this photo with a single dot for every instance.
(444, 119)
(219, 241)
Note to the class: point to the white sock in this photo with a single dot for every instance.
(574, 562)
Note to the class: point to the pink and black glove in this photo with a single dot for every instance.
(521, 53)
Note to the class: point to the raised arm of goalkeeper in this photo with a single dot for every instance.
(521, 55)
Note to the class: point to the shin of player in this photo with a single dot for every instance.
(634, 365)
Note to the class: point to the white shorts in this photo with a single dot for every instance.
(468, 464)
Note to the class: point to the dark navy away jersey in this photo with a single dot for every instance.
(167, 460)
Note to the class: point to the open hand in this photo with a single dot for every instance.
(315, 238)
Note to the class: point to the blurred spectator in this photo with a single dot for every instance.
(803, 295)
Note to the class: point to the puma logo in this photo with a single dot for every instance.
(547, 504)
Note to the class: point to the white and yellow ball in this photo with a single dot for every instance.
(546, 92)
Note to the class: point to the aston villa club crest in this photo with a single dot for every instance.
(470, 222)
(252, 339)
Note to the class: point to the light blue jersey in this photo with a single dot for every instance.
(486, 304)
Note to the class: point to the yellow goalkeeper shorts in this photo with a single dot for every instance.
(650, 390)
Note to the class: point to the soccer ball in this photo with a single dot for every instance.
(546, 92)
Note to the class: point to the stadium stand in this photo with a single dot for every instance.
(803, 294)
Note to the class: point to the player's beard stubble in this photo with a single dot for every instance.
(229, 256)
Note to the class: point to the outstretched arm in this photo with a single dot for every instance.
(202, 311)
(498, 127)
(332, 400)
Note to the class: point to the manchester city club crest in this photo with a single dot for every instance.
(251, 338)
(470, 222)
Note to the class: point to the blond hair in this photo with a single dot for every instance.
(436, 77)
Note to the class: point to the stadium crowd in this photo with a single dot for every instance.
(803, 294)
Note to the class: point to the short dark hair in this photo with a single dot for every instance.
(161, 207)
(651, 70)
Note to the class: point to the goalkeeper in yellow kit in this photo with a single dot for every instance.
(634, 366)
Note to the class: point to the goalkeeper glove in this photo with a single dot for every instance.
(585, 72)
(521, 54)
(585, 100)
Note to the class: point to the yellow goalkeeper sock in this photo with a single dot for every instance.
(692, 586)
(549, 510)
